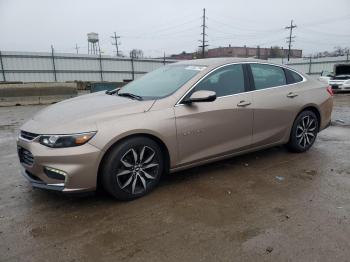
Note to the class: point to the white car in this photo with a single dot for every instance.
(340, 80)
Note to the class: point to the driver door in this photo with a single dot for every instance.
(224, 126)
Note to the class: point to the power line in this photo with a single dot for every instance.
(243, 37)
(327, 21)
(116, 43)
(311, 42)
(244, 28)
(161, 25)
(162, 35)
(289, 41)
(326, 34)
(170, 27)
(203, 41)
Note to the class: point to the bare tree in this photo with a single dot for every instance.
(340, 51)
(136, 53)
(198, 53)
(275, 52)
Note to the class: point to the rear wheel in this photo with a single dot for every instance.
(304, 132)
(132, 168)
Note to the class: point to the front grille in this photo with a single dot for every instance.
(25, 156)
(28, 136)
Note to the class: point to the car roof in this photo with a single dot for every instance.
(219, 61)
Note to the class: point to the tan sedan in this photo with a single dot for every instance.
(178, 116)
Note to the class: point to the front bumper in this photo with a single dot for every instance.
(78, 166)
(35, 182)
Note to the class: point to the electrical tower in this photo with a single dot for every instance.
(116, 43)
(290, 38)
(203, 41)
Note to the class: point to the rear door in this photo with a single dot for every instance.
(275, 101)
(209, 129)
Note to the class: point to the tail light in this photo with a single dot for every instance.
(330, 90)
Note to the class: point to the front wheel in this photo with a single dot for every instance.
(304, 132)
(132, 168)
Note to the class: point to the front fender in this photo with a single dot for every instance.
(159, 124)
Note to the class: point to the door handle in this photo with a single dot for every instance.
(292, 95)
(243, 103)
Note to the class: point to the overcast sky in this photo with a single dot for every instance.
(158, 26)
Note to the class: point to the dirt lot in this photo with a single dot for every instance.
(267, 206)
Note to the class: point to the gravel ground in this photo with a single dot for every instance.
(266, 206)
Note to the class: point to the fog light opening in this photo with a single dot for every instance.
(55, 173)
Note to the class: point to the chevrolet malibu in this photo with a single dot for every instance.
(179, 116)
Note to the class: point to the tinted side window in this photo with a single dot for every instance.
(295, 77)
(227, 80)
(266, 76)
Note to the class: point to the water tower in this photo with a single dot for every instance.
(93, 43)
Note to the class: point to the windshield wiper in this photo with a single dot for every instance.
(112, 92)
(133, 96)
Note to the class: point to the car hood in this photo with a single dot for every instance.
(342, 69)
(82, 114)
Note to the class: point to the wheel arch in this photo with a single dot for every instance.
(314, 109)
(291, 142)
(154, 137)
(310, 107)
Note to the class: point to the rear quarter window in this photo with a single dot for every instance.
(293, 77)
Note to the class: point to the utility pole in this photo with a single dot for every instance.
(53, 63)
(77, 48)
(2, 68)
(132, 65)
(203, 41)
(310, 63)
(289, 39)
(116, 43)
(100, 60)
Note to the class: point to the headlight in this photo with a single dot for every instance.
(59, 141)
(347, 82)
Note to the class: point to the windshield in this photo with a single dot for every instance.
(161, 82)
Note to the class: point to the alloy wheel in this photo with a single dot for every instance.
(306, 131)
(138, 167)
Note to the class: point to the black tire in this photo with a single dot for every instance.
(119, 170)
(304, 132)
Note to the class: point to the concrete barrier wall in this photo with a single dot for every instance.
(36, 93)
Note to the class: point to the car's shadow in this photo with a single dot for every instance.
(100, 196)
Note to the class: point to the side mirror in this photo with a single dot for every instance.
(201, 96)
